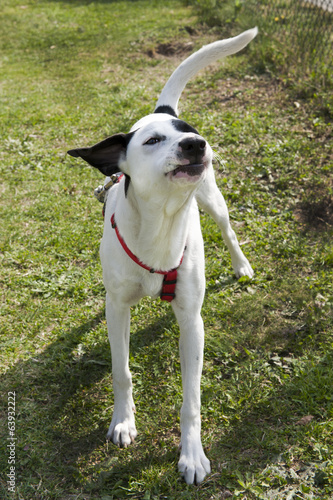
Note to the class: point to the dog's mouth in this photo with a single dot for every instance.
(185, 171)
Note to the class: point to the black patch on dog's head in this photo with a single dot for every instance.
(166, 109)
(184, 127)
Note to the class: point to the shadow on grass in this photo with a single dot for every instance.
(63, 412)
(287, 430)
(63, 406)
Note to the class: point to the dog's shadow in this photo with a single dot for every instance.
(69, 396)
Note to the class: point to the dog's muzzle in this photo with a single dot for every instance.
(191, 152)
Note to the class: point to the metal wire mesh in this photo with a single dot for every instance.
(304, 28)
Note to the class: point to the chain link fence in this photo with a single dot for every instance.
(295, 36)
(303, 27)
(323, 4)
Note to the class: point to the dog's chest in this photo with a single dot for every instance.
(129, 288)
(150, 285)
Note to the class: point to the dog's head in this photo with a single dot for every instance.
(159, 151)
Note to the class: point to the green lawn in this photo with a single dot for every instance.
(72, 73)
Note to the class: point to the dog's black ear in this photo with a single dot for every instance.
(105, 155)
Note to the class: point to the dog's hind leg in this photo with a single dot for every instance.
(122, 431)
(211, 200)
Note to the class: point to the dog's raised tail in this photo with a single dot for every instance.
(194, 63)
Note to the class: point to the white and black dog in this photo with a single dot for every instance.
(152, 242)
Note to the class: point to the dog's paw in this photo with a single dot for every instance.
(122, 432)
(194, 465)
(243, 268)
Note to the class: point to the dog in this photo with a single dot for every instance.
(152, 243)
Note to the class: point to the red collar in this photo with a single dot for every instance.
(170, 277)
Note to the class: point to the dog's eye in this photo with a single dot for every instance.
(152, 140)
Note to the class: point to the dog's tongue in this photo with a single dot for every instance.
(184, 171)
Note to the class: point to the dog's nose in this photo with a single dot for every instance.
(193, 148)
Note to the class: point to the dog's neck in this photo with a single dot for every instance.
(155, 230)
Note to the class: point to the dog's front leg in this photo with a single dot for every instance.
(211, 200)
(193, 463)
(122, 430)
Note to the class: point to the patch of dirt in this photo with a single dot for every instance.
(234, 93)
(183, 44)
(316, 209)
(170, 49)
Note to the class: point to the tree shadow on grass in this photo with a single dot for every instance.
(283, 431)
(64, 407)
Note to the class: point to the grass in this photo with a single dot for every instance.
(74, 72)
